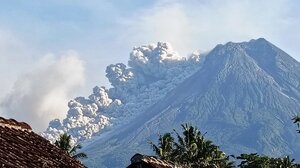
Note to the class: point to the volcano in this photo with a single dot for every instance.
(243, 97)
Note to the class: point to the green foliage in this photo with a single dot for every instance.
(165, 146)
(64, 143)
(255, 161)
(191, 149)
(297, 121)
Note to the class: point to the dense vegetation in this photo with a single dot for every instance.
(191, 149)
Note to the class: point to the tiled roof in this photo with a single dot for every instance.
(21, 147)
(139, 160)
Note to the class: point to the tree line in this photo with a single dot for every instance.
(192, 149)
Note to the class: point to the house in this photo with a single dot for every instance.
(143, 161)
(21, 147)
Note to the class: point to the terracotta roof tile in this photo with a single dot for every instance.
(139, 160)
(21, 147)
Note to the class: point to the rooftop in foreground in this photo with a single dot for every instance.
(21, 147)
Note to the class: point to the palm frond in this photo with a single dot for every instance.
(79, 156)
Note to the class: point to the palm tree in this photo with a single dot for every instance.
(187, 146)
(297, 121)
(287, 162)
(164, 149)
(253, 160)
(194, 150)
(76, 155)
(64, 143)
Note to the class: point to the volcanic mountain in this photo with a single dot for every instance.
(242, 96)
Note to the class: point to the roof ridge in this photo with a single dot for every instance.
(11, 123)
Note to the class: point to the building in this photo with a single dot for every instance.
(143, 161)
(21, 147)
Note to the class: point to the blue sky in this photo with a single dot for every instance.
(71, 41)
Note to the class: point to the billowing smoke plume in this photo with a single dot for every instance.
(42, 95)
(153, 70)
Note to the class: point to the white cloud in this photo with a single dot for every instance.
(15, 56)
(42, 95)
(162, 23)
(192, 25)
(105, 32)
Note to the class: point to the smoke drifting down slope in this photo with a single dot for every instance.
(242, 94)
(153, 71)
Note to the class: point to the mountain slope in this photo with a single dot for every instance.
(244, 96)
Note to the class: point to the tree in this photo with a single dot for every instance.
(164, 149)
(64, 143)
(191, 149)
(194, 150)
(253, 160)
(297, 121)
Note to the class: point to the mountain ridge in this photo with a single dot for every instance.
(243, 95)
(234, 97)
